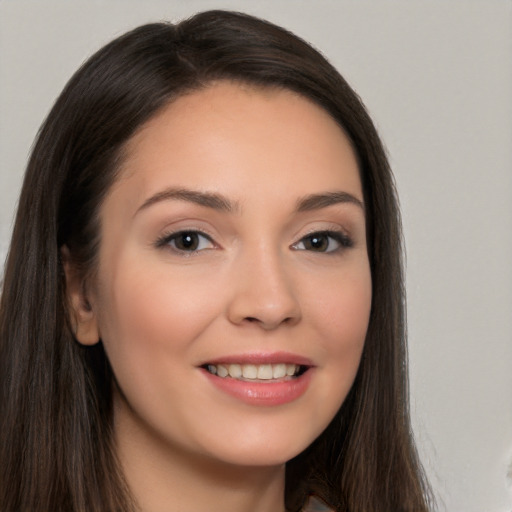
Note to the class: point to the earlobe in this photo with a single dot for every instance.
(81, 312)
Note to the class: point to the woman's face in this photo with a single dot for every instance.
(233, 287)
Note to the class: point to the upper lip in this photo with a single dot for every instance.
(261, 358)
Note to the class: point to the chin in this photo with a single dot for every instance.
(264, 448)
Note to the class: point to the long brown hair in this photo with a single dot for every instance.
(55, 405)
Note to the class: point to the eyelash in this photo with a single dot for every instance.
(167, 240)
(341, 239)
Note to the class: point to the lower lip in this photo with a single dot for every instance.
(263, 393)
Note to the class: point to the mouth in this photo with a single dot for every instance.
(261, 379)
(257, 372)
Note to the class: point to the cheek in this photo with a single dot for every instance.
(340, 317)
(151, 319)
(342, 309)
(150, 314)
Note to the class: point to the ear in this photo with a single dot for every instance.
(81, 312)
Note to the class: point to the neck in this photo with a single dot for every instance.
(164, 477)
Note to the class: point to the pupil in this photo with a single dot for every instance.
(188, 241)
(318, 242)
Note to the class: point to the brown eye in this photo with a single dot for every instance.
(318, 242)
(186, 241)
(323, 241)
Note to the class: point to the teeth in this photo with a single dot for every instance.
(222, 371)
(235, 371)
(279, 371)
(249, 371)
(290, 369)
(254, 372)
(265, 372)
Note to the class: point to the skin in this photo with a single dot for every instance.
(254, 284)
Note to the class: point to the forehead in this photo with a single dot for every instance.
(237, 134)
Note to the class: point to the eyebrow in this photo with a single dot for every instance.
(323, 200)
(207, 199)
(220, 203)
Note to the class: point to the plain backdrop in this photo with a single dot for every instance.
(436, 77)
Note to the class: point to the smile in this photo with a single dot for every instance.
(256, 372)
(261, 379)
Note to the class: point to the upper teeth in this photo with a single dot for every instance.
(253, 371)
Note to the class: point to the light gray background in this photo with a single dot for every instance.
(437, 79)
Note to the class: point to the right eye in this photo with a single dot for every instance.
(186, 241)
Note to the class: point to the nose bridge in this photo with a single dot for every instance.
(264, 291)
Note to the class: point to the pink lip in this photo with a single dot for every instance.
(262, 358)
(268, 394)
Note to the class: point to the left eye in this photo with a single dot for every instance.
(325, 241)
(188, 241)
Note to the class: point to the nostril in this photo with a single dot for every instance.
(269, 324)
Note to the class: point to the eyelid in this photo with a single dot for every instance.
(344, 240)
(164, 241)
(326, 227)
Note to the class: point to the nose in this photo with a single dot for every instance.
(263, 293)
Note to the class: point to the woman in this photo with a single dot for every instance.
(203, 299)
